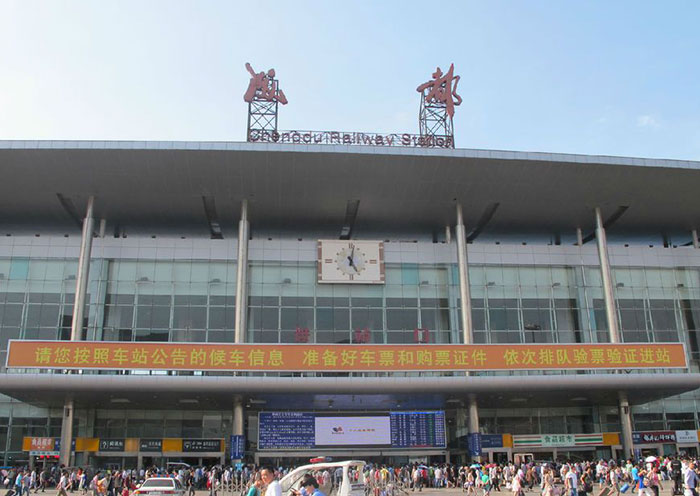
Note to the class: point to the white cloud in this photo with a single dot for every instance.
(647, 121)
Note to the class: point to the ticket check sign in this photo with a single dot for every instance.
(329, 358)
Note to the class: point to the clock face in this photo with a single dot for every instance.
(351, 260)
(359, 262)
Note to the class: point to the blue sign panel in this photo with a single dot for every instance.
(417, 429)
(57, 444)
(237, 447)
(279, 430)
(474, 443)
(492, 441)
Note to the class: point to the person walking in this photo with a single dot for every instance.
(63, 484)
(570, 481)
(690, 479)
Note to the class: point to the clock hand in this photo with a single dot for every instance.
(352, 263)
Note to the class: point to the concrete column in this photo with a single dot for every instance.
(241, 308)
(66, 433)
(696, 243)
(237, 419)
(473, 418)
(77, 325)
(448, 235)
(626, 423)
(463, 269)
(613, 329)
(242, 276)
(466, 311)
(82, 277)
(579, 236)
(610, 311)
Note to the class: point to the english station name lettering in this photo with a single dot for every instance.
(341, 138)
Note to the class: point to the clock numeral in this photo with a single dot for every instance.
(328, 260)
(352, 277)
(374, 261)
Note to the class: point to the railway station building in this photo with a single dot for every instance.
(275, 301)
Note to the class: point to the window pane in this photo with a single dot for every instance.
(297, 317)
(270, 318)
(397, 319)
(371, 319)
(222, 317)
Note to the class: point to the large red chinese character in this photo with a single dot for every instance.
(362, 335)
(421, 336)
(441, 90)
(263, 87)
(301, 335)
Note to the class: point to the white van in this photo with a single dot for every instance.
(352, 483)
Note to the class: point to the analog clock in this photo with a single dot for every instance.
(351, 261)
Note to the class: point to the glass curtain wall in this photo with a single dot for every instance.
(287, 305)
(187, 301)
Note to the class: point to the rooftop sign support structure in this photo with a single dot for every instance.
(437, 106)
(263, 96)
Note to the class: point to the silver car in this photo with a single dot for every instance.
(157, 486)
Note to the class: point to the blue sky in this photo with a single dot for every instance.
(592, 77)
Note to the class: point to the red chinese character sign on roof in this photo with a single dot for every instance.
(441, 90)
(437, 107)
(263, 86)
(263, 96)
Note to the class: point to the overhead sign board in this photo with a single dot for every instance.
(653, 437)
(308, 430)
(151, 445)
(202, 445)
(111, 444)
(329, 358)
(557, 440)
(687, 437)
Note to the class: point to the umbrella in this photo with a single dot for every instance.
(650, 459)
(475, 465)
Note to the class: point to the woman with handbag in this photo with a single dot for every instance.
(586, 483)
(547, 482)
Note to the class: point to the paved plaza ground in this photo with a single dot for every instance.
(458, 492)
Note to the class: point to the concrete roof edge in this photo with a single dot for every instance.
(345, 149)
(255, 384)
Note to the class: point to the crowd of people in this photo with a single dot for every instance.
(600, 478)
(22, 482)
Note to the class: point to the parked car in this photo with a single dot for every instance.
(351, 484)
(157, 486)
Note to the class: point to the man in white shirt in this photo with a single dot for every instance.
(690, 479)
(272, 485)
(62, 485)
(570, 480)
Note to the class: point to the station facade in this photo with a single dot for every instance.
(222, 243)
